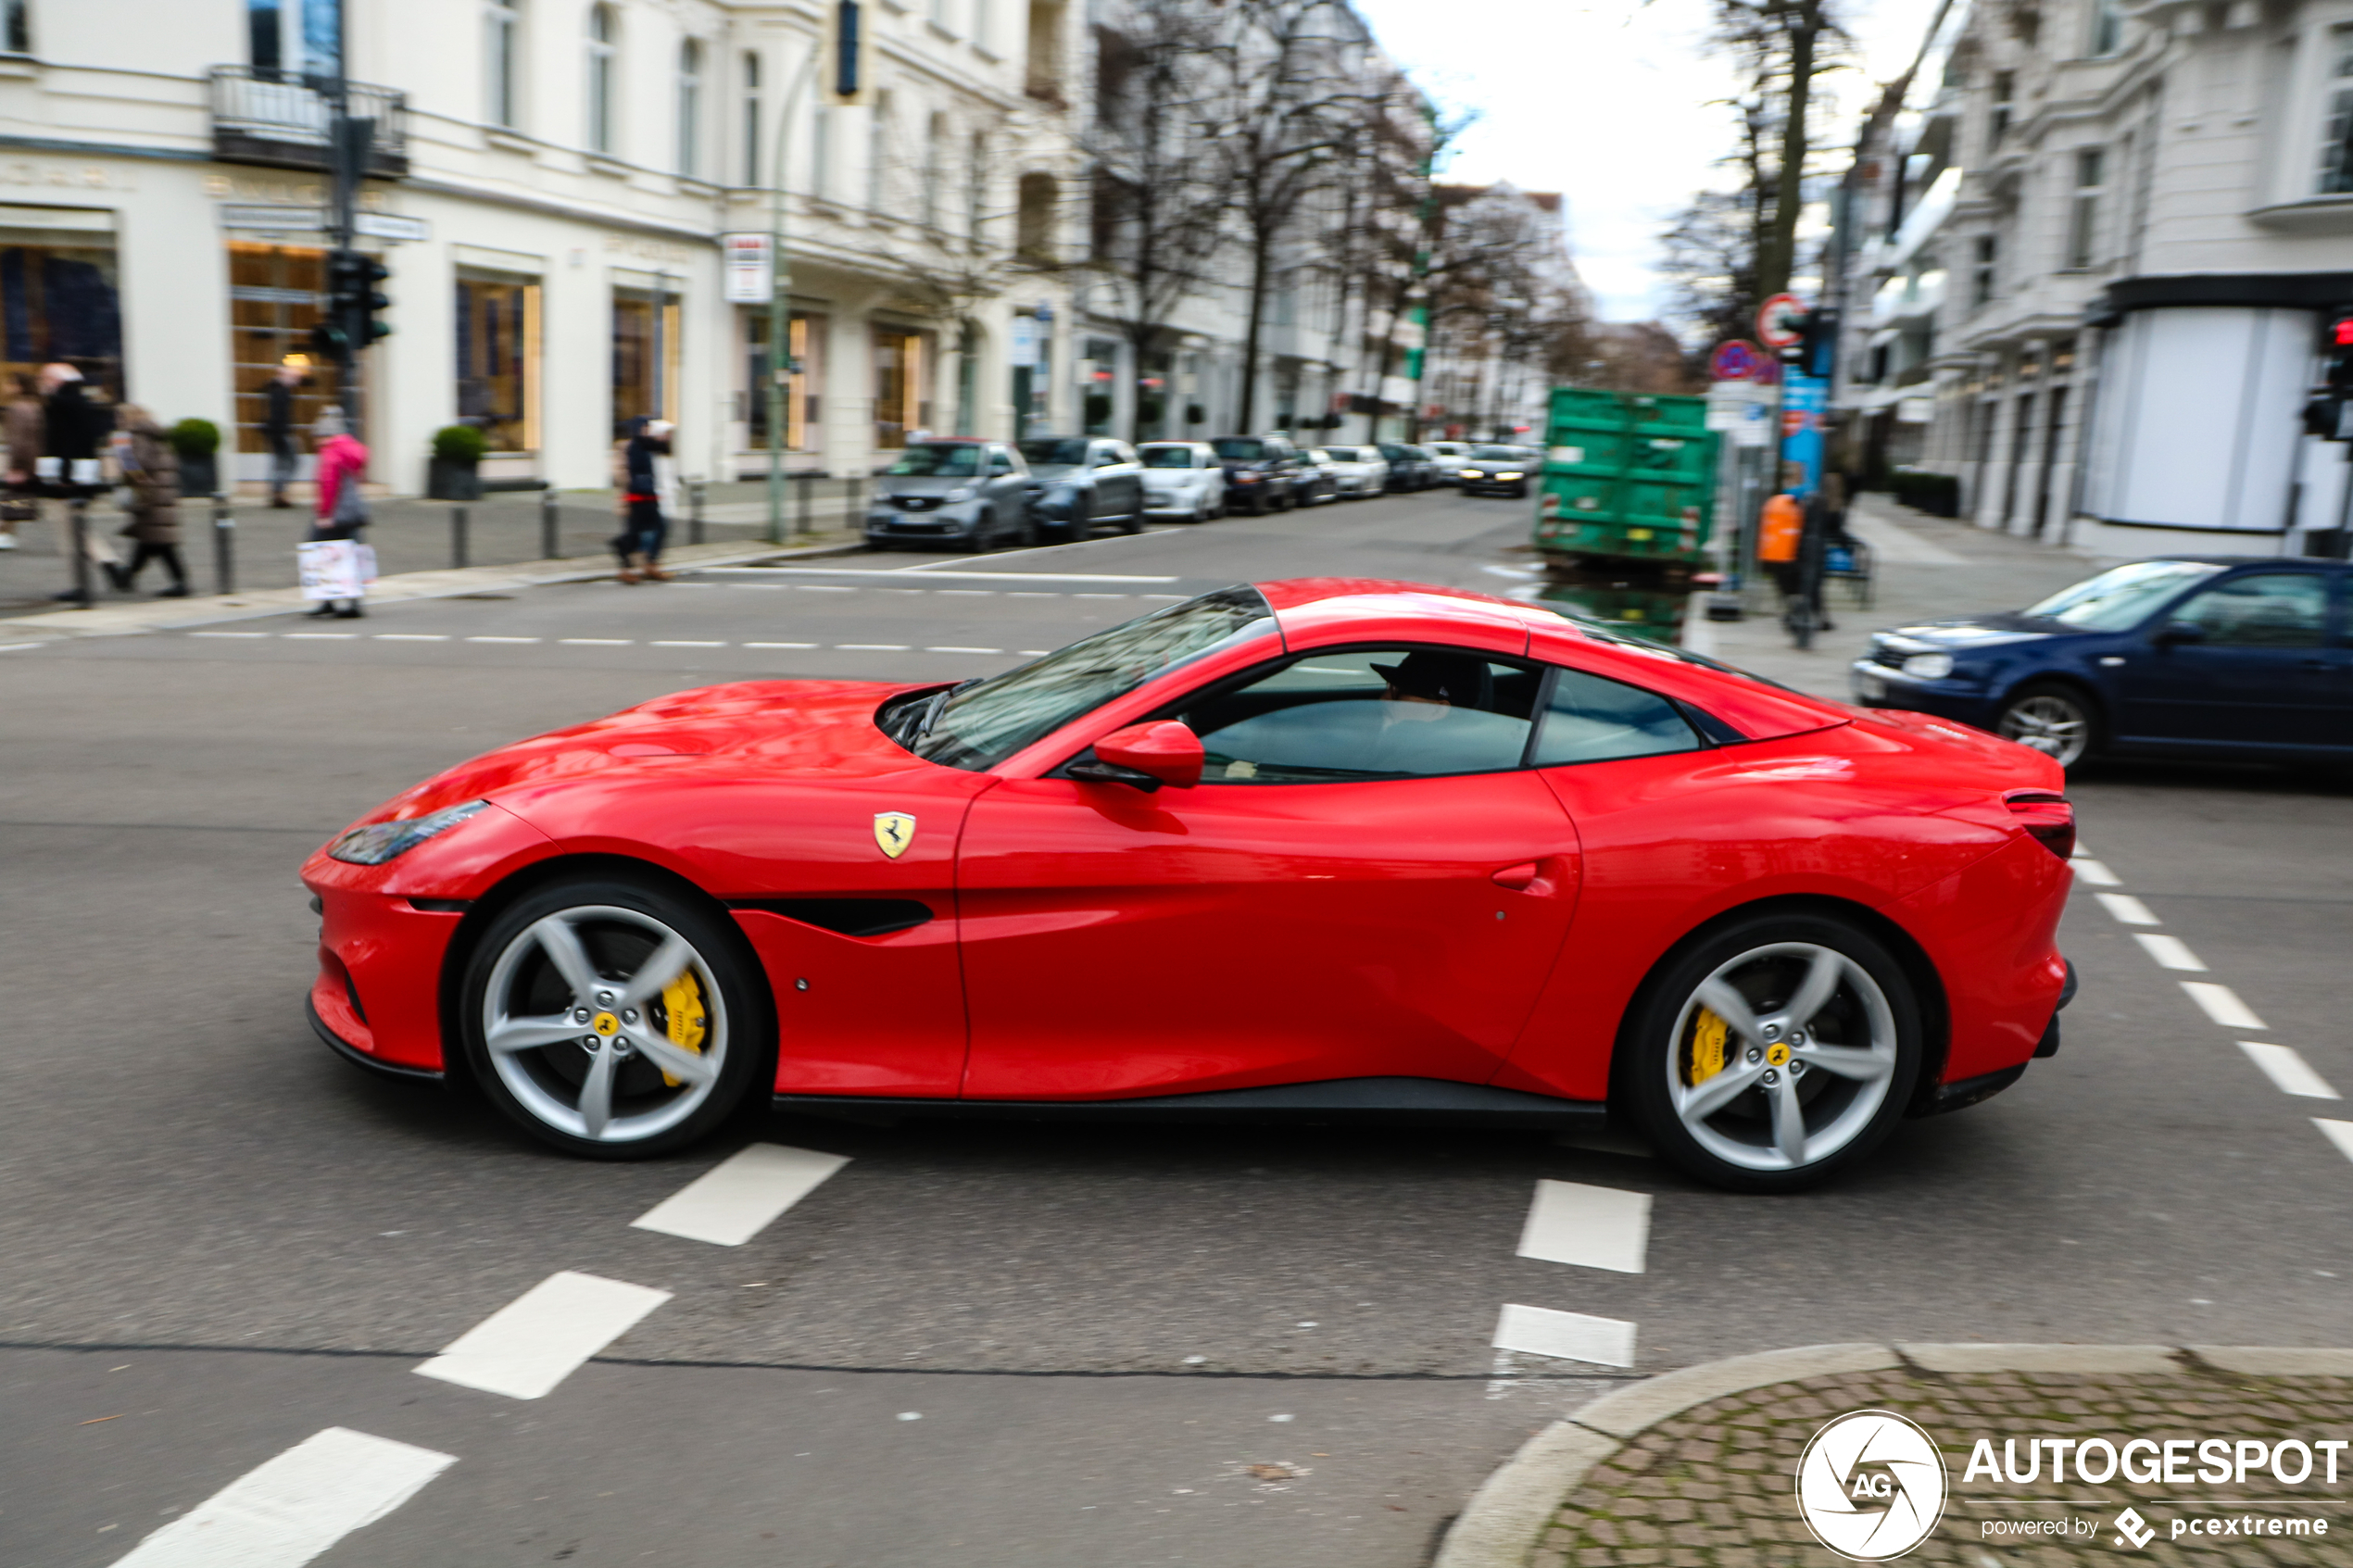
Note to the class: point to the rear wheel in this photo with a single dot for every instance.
(613, 1018)
(1771, 1053)
(2053, 719)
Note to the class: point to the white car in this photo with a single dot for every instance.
(1358, 471)
(1450, 456)
(1182, 480)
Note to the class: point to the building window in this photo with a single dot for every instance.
(1033, 225)
(2004, 87)
(975, 188)
(939, 14)
(934, 167)
(304, 36)
(2336, 147)
(821, 152)
(877, 152)
(499, 358)
(604, 32)
(2108, 26)
(1981, 273)
(17, 17)
(901, 403)
(689, 106)
(500, 59)
(752, 120)
(274, 302)
(981, 20)
(2083, 215)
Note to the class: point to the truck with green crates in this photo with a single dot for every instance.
(1629, 477)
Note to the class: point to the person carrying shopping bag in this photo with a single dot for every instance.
(637, 480)
(74, 429)
(342, 509)
(151, 469)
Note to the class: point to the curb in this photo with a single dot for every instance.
(133, 619)
(1506, 1517)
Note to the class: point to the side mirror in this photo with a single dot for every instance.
(2176, 632)
(1145, 756)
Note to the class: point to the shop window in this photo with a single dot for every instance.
(58, 298)
(803, 387)
(644, 356)
(274, 302)
(499, 359)
(902, 403)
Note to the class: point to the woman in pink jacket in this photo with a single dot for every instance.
(342, 461)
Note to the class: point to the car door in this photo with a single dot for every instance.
(1008, 487)
(1360, 886)
(2265, 668)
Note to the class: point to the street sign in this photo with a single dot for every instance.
(750, 278)
(1770, 330)
(1734, 360)
(391, 226)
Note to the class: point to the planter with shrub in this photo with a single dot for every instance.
(455, 473)
(196, 442)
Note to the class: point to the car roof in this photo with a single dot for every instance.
(2261, 561)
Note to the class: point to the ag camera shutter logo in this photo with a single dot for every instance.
(1871, 1486)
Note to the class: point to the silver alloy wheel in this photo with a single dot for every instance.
(604, 1066)
(2050, 724)
(1783, 1098)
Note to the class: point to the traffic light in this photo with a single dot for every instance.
(1815, 351)
(353, 298)
(2328, 413)
(849, 40)
(2339, 377)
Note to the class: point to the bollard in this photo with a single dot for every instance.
(806, 522)
(458, 536)
(854, 515)
(79, 509)
(549, 545)
(694, 511)
(224, 546)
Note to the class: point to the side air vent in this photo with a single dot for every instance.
(846, 917)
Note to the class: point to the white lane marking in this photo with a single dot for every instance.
(780, 645)
(596, 641)
(1030, 593)
(1592, 1227)
(677, 643)
(2222, 1005)
(2170, 951)
(872, 647)
(287, 1511)
(2095, 873)
(823, 588)
(962, 650)
(1171, 598)
(2289, 1073)
(2127, 909)
(1099, 595)
(320, 636)
(733, 1201)
(412, 636)
(2338, 1133)
(18, 648)
(950, 593)
(502, 639)
(541, 1337)
(229, 634)
(1031, 653)
(1540, 1331)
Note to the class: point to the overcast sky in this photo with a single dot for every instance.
(1609, 103)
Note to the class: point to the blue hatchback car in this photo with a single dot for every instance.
(2212, 656)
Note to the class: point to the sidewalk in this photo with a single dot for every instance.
(1700, 1466)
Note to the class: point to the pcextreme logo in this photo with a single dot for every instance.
(1871, 1486)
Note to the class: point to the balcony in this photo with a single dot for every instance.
(280, 120)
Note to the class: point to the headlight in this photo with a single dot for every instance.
(379, 842)
(961, 493)
(1507, 476)
(1472, 473)
(1246, 479)
(1929, 666)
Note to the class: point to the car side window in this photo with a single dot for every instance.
(999, 463)
(1367, 714)
(1592, 719)
(2267, 609)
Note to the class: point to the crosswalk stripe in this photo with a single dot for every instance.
(289, 1510)
(1573, 1336)
(533, 1343)
(1589, 1226)
(738, 1199)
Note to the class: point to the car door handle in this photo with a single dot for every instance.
(1516, 878)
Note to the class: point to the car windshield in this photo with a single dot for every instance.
(1169, 457)
(1239, 449)
(1498, 454)
(977, 725)
(2122, 598)
(938, 461)
(1054, 449)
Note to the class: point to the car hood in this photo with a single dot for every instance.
(1057, 473)
(767, 729)
(911, 485)
(1496, 465)
(1962, 633)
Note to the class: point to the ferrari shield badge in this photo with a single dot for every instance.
(893, 831)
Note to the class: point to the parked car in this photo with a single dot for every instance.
(1358, 471)
(1260, 472)
(964, 494)
(2238, 658)
(1410, 468)
(1182, 480)
(1498, 471)
(1087, 480)
(1449, 457)
(1316, 480)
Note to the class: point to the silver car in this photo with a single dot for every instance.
(1183, 480)
(960, 493)
(1085, 480)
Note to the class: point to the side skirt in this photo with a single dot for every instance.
(1391, 1101)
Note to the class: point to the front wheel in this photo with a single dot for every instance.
(1771, 1053)
(2054, 720)
(613, 1018)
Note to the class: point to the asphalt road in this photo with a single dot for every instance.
(988, 1343)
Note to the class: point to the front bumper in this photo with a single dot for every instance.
(1494, 486)
(1881, 686)
(946, 523)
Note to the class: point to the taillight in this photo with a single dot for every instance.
(2049, 818)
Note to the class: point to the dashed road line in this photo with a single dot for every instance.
(2170, 952)
(320, 636)
(2095, 873)
(502, 639)
(596, 641)
(739, 1197)
(1574, 1337)
(2222, 1005)
(1588, 1227)
(780, 645)
(945, 650)
(2338, 1133)
(2127, 909)
(289, 1510)
(681, 642)
(874, 647)
(411, 637)
(16, 647)
(231, 634)
(2289, 1073)
(533, 1343)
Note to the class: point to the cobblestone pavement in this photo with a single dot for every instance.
(1716, 1486)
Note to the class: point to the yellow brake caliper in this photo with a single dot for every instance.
(682, 1001)
(1708, 1035)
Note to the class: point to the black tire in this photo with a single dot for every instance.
(983, 538)
(1134, 521)
(617, 922)
(1026, 534)
(2056, 718)
(1667, 1051)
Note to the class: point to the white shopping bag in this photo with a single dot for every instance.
(330, 568)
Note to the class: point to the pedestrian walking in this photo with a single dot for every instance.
(26, 428)
(151, 469)
(342, 508)
(637, 478)
(278, 430)
(74, 429)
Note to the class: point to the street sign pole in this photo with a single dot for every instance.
(780, 303)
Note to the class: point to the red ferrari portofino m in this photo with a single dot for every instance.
(1329, 850)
